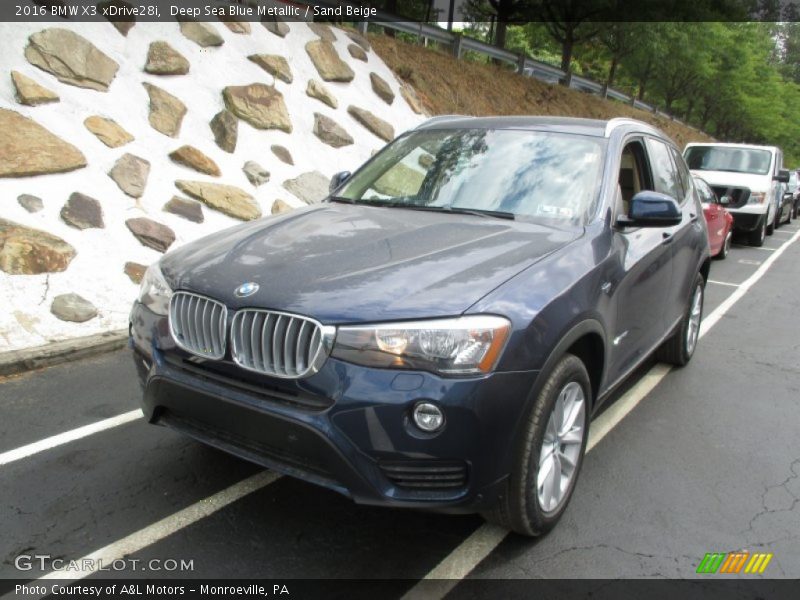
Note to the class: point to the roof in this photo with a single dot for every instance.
(592, 127)
(728, 145)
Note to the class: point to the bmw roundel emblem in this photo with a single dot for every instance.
(246, 289)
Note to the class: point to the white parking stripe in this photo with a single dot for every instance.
(765, 248)
(68, 436)
(167, 526)
(486, 538)
(723, 283)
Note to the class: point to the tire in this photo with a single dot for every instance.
(771, 227)
(679, 348)
(726, 247)
(525, 508)
(757, 237)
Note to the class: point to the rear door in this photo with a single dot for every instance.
(686, 240)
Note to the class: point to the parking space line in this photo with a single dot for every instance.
(463, 560)
(167, 526)
(765, 248)
(723, 283)
(68, 436)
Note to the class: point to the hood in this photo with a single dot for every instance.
(342, 263)
(756, 183)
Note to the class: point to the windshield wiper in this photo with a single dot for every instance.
(478, 212)
(341, 199)
(497, 214)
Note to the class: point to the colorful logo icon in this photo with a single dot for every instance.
(246, 289)
(734, 562)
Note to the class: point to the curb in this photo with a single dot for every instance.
(47, 355)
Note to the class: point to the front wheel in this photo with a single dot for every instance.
(549, 452)
(679, 348)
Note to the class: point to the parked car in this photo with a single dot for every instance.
(750, 176)
(438, 332)
(719, 222)
(786, 205)
(794, 190)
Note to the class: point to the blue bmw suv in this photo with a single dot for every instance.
(439, 331)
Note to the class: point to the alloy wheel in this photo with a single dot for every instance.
(693, 329)
(561, 447)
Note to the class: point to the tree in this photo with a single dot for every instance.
(620, 40)
(569, 23)
(503, 12)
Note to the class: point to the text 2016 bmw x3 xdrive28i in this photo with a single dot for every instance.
(438, 332)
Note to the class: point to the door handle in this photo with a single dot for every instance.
(693, 217)
(667, 238)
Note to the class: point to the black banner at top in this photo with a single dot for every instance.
(376, 11)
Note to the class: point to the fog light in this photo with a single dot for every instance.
(428, 417)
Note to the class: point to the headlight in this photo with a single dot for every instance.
(465, 345)
(757, 198)
(154, 292)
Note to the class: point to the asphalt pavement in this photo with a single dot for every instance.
(708, 461)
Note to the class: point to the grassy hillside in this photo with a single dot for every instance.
(447, 86)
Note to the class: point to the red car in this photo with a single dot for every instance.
(718, 220)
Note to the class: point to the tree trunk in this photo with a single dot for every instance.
(566, 49)
(612, 71)
(391, 8)
(501, 29)
(645, 78)
(689, 108)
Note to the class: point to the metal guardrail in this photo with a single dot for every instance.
(524, 64)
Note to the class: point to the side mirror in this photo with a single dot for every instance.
(338, 179)
(653, 209)
(782, 176)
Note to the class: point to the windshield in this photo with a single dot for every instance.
(524, 173)
(725, 158)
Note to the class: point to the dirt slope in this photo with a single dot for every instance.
(448, 86)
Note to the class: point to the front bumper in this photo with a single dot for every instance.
(747, 221)
(347, 427)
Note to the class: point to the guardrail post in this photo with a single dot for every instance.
(633, 100)
(568, 79)
(521, 63)
(362, 27)
(604, 91)
(457, 41)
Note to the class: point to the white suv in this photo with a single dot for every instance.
(748, 180)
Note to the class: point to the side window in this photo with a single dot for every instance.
(707, 196)
(665, 178)
(633, 175)
(683, 174)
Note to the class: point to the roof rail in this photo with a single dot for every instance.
(438, 118)
(619, 121)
